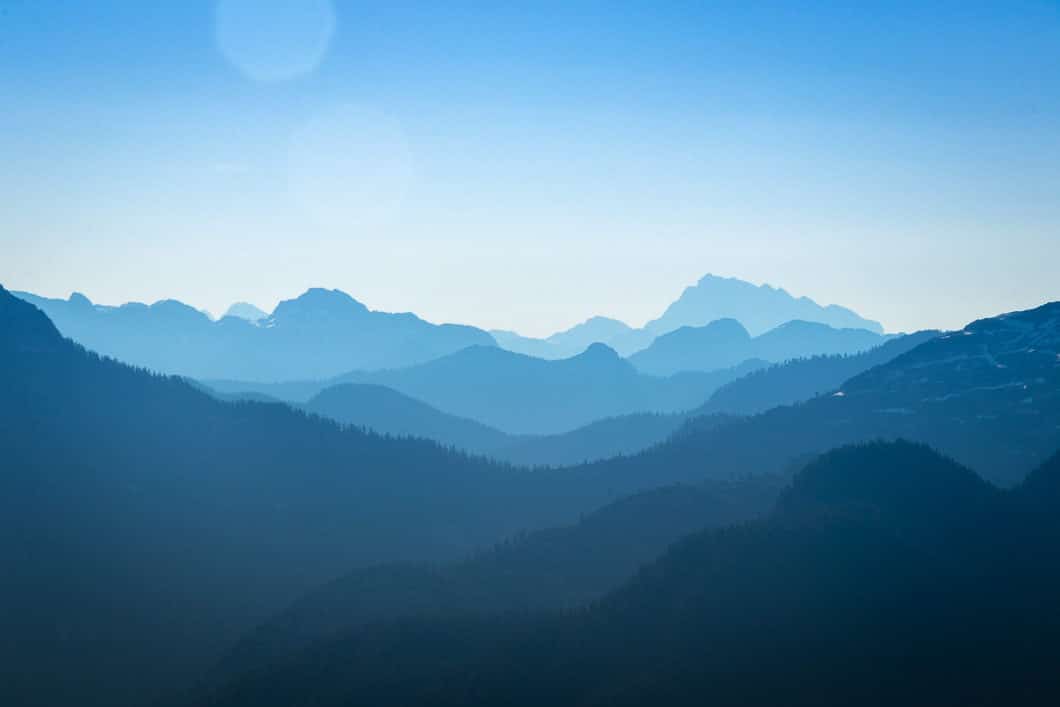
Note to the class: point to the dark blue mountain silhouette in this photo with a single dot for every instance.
(556, 568)
(803, 378)
(725, 342)
(988, 395)
(386, 411)
(319, 334)
(149, 523)
(146, 524)
(524, 395)
(887, 574)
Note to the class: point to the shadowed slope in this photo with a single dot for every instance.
(887, 575)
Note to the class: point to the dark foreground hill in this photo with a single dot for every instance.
(555, 568)
(319, 334)
(886, 575)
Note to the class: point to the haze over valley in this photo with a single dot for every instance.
(577, 354)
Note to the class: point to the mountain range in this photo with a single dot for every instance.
(178, 521)
(987, 395)
(319, 334)
(148, 525)
(387, 411)
(725, 342)
(522, 395)
(326, 333)
(757, 308)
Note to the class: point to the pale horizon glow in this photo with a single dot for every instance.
(526, 169)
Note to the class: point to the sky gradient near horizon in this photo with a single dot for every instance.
(526, 167)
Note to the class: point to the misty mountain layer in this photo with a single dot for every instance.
(319, 334)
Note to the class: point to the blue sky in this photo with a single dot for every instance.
(529, 166)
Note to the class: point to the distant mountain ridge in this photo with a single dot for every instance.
(523, 395)
(386, 411)
(319, 334)
(245, 310)
(757, 308)
(725, 342)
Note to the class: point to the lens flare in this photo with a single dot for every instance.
(274, 40)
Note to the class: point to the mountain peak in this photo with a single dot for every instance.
(245, 310)
(592, 330)
(758, 307)
(23, 327)
(599, 352)
(319, 302)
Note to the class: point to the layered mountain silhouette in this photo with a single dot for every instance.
(757, 308)
(557, 568)
(567, 343)
(988, 395)
(386, 411)
(147, 524)
(725, 342)
(803, 378)
(165, 506)
(319, 334)
(887, 574)
(524, 395)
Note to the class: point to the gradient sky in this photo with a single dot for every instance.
(528, 167)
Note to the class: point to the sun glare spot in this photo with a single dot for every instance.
(274, 40)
